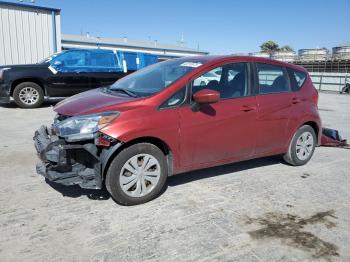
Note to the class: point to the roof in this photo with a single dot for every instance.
(345, 44)
(213, 59)
(127, 43)
(35, 7)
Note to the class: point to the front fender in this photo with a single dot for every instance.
(106, 156)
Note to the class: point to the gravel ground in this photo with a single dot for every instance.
(259, 210)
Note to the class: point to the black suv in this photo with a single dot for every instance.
(61, 75)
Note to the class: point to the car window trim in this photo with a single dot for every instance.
(291, 71)
(184, 101)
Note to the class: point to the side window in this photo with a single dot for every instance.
(69, 60)
(208, 80)
(88, 61)
(272, 79)
(176, 99)
(230, 80)
(297, 78)
(102, 60)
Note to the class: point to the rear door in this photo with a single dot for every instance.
(224, 130)
(274, 101)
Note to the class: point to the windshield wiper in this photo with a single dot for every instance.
(128, 92)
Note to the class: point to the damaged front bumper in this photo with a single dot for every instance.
(79, 163)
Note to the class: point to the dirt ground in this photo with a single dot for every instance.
(259, 210)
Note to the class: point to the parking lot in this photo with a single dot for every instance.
(259, 210)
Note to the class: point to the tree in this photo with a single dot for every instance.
(286, 48)
(269, 47)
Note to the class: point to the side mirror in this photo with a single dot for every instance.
(206, 96)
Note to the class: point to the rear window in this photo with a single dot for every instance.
(297, 78)
(272, 79)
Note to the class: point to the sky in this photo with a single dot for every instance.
(217, 26)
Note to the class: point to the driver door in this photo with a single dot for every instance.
(69, 74)
(223, 131)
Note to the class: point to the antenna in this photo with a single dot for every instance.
(182, 40)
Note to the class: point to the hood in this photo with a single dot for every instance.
(24, 66)
(92, 101)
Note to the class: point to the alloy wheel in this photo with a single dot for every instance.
(28, 95)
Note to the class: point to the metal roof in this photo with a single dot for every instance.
(345, 44)
(35, 7)
(127, 43)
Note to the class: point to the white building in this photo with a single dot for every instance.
(28, 33)
(285, 56)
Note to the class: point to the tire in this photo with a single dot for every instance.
(35, 95)
(118, 174)
(299, 145)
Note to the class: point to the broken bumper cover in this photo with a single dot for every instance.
(67, 164)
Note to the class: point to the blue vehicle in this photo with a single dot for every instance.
(67, 73)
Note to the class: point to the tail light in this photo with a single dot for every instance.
(315, 97)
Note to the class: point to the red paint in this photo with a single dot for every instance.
(206, 96)
(226, 131)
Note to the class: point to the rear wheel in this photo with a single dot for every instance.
(301, 147)
(137, 174)
(28, 95)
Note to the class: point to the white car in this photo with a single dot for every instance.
(207, 77)
(211, 75)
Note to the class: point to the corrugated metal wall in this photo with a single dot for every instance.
(27, 35)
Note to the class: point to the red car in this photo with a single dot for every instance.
(157, 123)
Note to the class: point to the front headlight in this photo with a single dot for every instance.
(2, 70)
(83, 127)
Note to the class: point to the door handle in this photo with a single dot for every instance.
(296, 100)
(247, 108)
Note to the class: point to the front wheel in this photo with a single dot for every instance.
(301, 147)
(28, 95)
(137, 174)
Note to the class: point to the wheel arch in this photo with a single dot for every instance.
(164, 147)
(37, 81)
(314, 126)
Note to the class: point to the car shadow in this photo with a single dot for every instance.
(222, 170)
(188, 177)
(76, 191)
(46, 103)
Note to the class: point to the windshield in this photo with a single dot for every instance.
(155, 78)
(48, 59)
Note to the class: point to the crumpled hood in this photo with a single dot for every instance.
(90, 102)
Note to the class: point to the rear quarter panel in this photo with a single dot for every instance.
(304, 112)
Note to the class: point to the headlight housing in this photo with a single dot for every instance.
(84, 127)
(2, 70)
